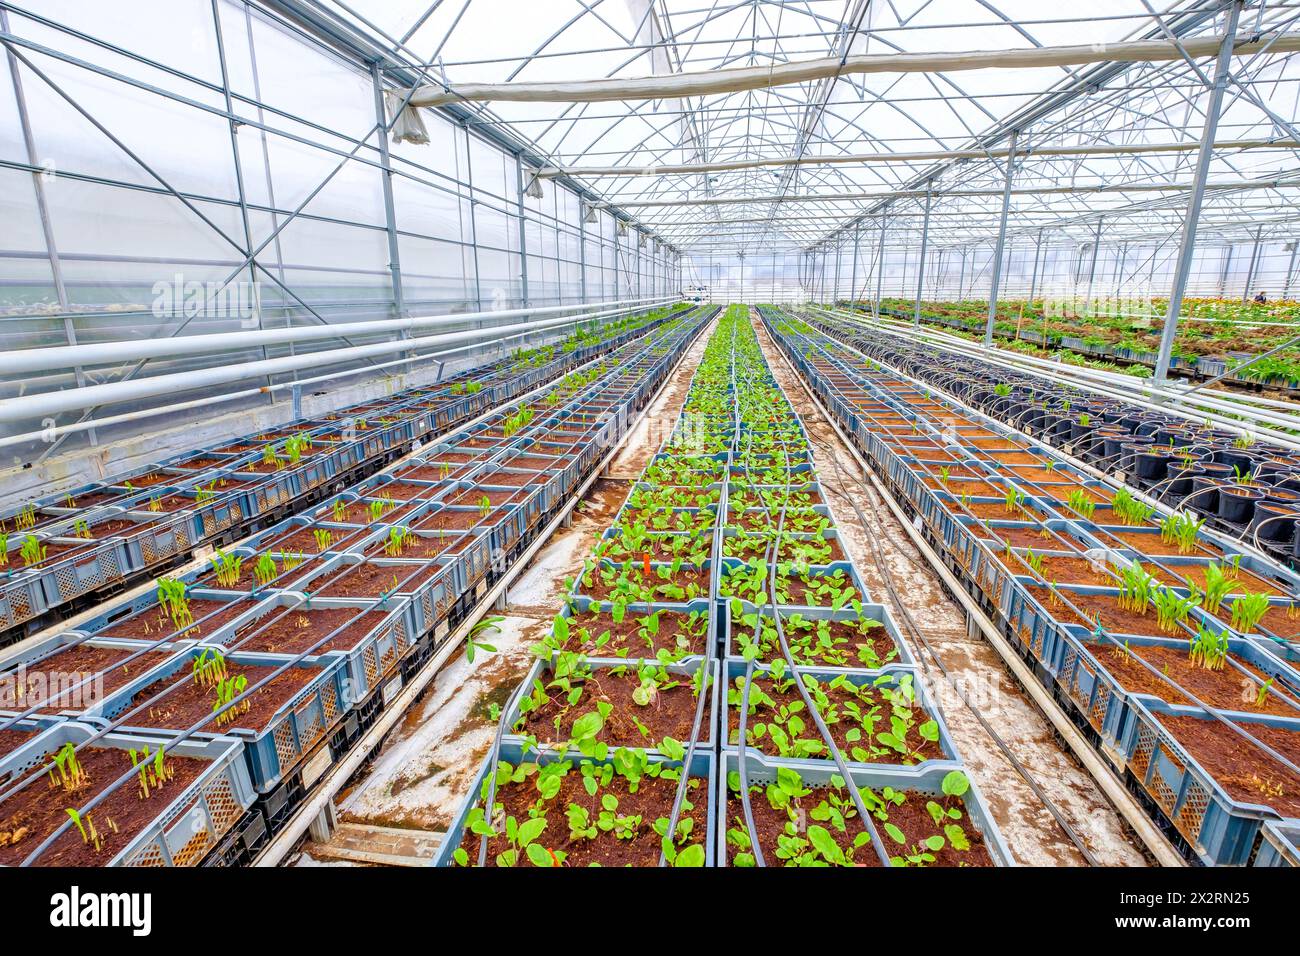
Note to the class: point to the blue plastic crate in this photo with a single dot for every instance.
(374, 656)
(925, 778)
(874, 612)
(298, 724)
(702, 766)
(191, 821)
(885, 676)
(686, 669)
(1280, 846)
(1220, 829)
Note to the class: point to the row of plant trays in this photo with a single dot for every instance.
(1247, 490)
(1092, 669)
(1196, 366)
(604, 719)
(318, 668)
(63, 547)
(859, 674)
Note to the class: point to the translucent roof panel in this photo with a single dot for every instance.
(462, 41)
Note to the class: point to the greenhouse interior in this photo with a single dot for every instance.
(650, 433)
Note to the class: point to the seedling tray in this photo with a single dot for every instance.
(189, 824)
(874, 612)
(924, 779)
(685, 670)
(1221, 829)
(1280, 846)
(886, 676)
(302, 720)
(701, 766)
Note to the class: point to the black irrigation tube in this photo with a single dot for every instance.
(808, 702)
(37, 773)
(1102, 634)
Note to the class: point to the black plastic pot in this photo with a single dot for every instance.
(1152, 465)
(1178, 479)
(1238, 458)
(1204, 496)
(1237, 505)
(1274, 522)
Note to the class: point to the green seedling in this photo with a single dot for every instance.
(1208, 650)
(1247, 611)
(227, 567)
(172, 599)
(265, 570)
(482, 628)
(324, 537)
(1081, 503)
(208, 667)
(32, 551)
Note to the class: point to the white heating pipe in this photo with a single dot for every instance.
(26, 361)
(49, 434)
(52, 403)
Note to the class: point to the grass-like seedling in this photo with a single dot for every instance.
(32, 551)
(265, 570)
(1208, 650)
(1182, 528)
(339, 509)
(1247, 611)
(399, 539)
(1172, 610)
(1136, 588)
(1129, 510)
(172, 599)
(67, 774)
(226, 690)
(208, 667)
(80, 529)
(324, 538)
(1081, 503)
(227, 567)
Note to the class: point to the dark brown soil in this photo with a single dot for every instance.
(1225, 689)
(304, 540)
(186, 702)
(475, 496)
(1245, 771)
(77, 664)
(32, 814)
(627, 634)
(420, 546)
(1115, 619)
(653, 799)
(369, 580)
(358, 512)
(459, 520)
(671, 712)
(296, 630)
(924, 749)
(686, 576)
(1151, 543)
(154, 624)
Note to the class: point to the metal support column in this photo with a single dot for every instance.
(390, 211)
(1254, 266)
(526, 299)
(1002, 240)
(1092, 266)
(1188, 244)
(880, 265)
(920, 266)
(1033, 278)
